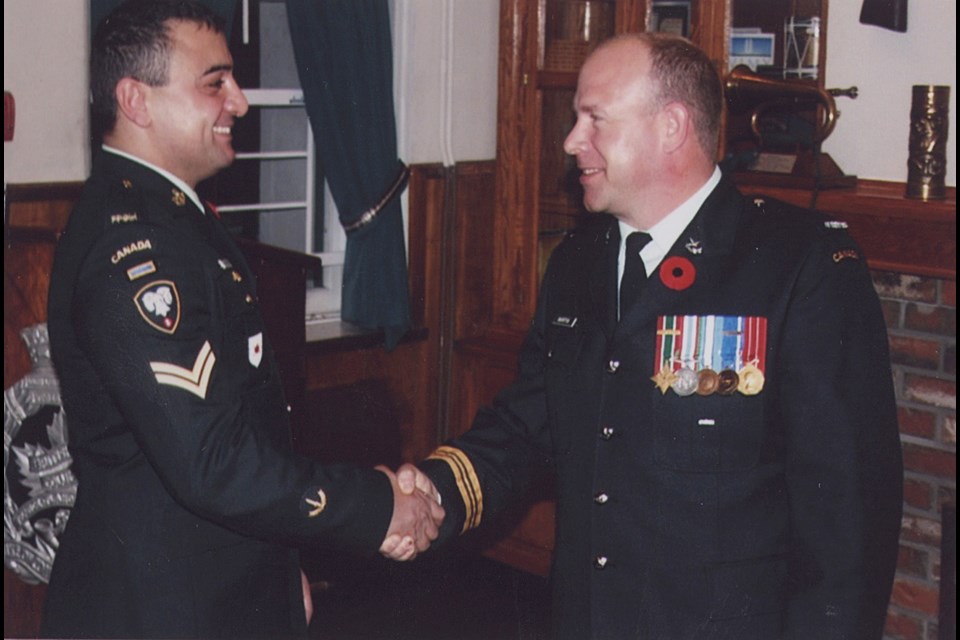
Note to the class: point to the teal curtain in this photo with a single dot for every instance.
(345, 62)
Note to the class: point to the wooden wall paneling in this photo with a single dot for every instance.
(515, 213)
(472, 250)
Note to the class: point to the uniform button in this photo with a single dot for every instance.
(606, 433)
(601, 498)
(249, 299)
(289, 409)
(549, 354)
(612, 366)
(600, 562)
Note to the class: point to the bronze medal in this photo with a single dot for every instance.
(707, 382)
(728, 382)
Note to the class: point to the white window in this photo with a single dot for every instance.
(292, 210)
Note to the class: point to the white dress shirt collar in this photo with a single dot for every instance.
(665, 233)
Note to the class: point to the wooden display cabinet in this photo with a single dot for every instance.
(537, 196)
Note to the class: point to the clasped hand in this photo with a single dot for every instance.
(417, 514)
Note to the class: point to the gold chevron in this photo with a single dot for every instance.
(467, 482)
(193, 380)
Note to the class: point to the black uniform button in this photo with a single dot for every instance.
(601, 498)
(613, 365)
(606, 433)
(600, 562)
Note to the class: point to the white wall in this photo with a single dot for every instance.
(871, 138)
(445, 79)
(446, 84)
(45, 67)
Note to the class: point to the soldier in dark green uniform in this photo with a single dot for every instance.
(191, 504)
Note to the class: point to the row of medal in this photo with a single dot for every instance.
(686, 382)
(708, 354)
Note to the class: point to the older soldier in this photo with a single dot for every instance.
(723, 431)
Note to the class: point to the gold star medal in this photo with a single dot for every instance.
(664, 378)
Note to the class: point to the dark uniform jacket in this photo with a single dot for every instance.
(766, 503)
(190, 502)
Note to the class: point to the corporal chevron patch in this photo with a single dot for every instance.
(467, 482)
(194, 380)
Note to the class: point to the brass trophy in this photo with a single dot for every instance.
(803, 165)
(929, 125)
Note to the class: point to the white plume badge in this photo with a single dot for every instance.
(159, 305)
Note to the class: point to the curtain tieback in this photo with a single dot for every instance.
(368, 216)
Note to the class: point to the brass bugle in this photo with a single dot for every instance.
(746, 90)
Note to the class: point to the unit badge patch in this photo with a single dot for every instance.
(705, 355)
(159, 304)
(255, 349)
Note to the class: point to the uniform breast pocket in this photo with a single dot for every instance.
(563, 348)
(708, 433)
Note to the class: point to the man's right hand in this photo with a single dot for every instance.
(417, 516)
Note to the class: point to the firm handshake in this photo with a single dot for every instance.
(417, 514)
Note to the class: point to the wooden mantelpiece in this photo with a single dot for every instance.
(896, 234)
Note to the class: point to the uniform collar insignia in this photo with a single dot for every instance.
(178, 197)
(694, 247)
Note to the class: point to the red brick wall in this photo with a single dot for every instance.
(921, 316)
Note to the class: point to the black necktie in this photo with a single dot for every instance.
(634, 273)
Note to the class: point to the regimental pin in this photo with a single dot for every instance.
(178, 197)
(694, 247)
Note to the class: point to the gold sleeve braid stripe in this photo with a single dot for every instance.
(467, 483)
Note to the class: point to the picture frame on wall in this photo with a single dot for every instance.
(671, 16)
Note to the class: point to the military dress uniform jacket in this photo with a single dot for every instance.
(762, 510)
(191, 502)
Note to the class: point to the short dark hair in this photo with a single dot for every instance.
(134, 41)
(682, 72)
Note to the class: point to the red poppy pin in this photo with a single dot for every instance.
(677, 273)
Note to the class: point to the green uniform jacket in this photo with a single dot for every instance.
(191, 503)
